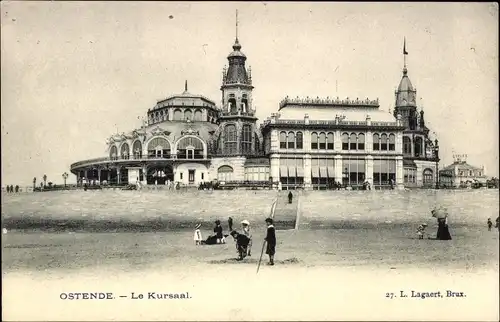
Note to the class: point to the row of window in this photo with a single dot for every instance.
(160, 147)
(179, 115)
(325, 141)
(230, 139)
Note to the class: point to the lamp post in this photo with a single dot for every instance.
(436, 155)
(65, 176)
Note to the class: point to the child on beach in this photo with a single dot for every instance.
(218, 233)
(197, 235)
(490, 224)
(421, 231)
(246, 231)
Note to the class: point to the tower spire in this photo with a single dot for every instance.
(236, 24)
(186, 86)
(404, 55)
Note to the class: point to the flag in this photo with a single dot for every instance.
(404, 48)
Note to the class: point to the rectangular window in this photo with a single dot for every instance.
(191, 175)
(291, 145)
(345, 146)
(392, 147)
(202, 176)
(329, 145)
(376, 147)
(282, 145)
(314, 145)
(322, 146)
(361, 146)
(383, 146)
(181, 175)
(352, 145)
(299, 141)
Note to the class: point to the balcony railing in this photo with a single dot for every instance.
(137, 158)
(329, 122)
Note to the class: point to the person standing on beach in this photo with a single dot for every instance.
(218, 232)
(497, 225)
(271, 240)
(230, 223)
(290, 197)
(490, 224)
(246, 231)
(197, 235)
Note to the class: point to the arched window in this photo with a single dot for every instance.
(353, 141)
(190, 148)
(177, 115)
(283, 140)
(383, 142)
(361, 141)
(232, 105)
(256, 143)
(225, 173)
(198, 115)
(406, 145)
(158, 148)
(392, 142)
(246, 139)
(330, 141)
(113, 152)
(188, 115)
(244, 103)
(376, 142)
(345, 141)
(299, 140)
(322, 141)
(428, 176)
(291, 140)
(418, 147)
(125, 151)
(137, 149)
(230, 139)
(314, 141)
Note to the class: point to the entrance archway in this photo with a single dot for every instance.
(160, 174)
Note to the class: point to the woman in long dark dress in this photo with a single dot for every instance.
(443, 232)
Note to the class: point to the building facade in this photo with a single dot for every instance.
(460, 174)
(309, 143)
(318, 143)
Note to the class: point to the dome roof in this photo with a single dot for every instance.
(405, 84)
(236, 50)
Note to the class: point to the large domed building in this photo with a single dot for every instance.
(188, 139)
(309, 143)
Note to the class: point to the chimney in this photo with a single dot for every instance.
(306, 119)
(368, 120)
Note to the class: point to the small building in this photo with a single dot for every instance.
(460, 174)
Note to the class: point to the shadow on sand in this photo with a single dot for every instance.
(253, 261)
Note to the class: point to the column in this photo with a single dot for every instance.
(399, 142)
(118, 175)
(275, 169)
(109, 175)
(275, 141)
(399, 173)
(337, 146)
(99, 175)
(369, 142)
(144, 174)
(412, 146)
(339, 175)
(87, 176)
(369, 169)
(307, 142)
(307, 171)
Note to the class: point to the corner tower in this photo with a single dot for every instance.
(238, 136)
(420, 153)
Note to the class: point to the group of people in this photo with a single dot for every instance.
(443, 232)
(11, 189)
(243, 238)
(490, 224)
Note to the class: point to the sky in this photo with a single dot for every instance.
(74, 73)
